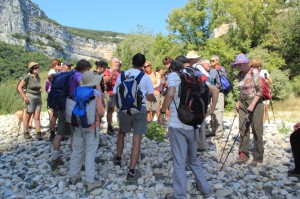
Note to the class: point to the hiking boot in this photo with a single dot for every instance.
(27, 135)
(65, 138)
(210, 135)
(52, 136)
(55, 163)
(169, 196)
(242, 157)
(92, 186)
(205, 195)
(255, 163)
(110, 130)
(293, 173)
(39, 136)
(117, 161)
(133, 176)
(74, 181)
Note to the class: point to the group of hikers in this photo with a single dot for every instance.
(147, 94)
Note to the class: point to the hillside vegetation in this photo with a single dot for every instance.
(104, 36)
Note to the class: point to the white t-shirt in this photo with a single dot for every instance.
(174, 122)
(145, 83)
(51, 71)
(202, 69)
(263, 72)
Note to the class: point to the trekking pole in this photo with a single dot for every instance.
(267, 113)
(238, 135)
(272, 109)
(228, 136)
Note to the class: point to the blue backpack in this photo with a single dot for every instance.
(129, 97)
(59, 90)
(225, 83)
(81, 107)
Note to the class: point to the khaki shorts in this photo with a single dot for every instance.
(111, 100)
(137, 123)
(34, 105)
(151, 106)
(63, 128)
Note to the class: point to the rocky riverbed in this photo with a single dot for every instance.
(24, 172)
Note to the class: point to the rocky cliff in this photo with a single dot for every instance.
(23, 23)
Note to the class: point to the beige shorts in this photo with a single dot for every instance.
(151, 106)
(111, 100)
(266, 102)
(34, 104)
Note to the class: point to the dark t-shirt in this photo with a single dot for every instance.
(33, 84)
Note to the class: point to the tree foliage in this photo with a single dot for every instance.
(14, 61)
(190, 24)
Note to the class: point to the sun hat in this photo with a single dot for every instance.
(241, 59)
(31, 64)
(89, 79)
(192, 55)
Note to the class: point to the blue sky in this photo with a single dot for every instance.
(112, 15)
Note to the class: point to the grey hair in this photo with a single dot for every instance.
(216, 57)
(114, 57)
(205, 61)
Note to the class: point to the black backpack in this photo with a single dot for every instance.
(59, 91)
(194, 97)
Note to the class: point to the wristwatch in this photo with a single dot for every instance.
(162, 112)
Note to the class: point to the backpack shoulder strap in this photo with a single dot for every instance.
(139, 77)
(122, 76)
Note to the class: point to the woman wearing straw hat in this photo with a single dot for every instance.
(32, 99)
(250, 109)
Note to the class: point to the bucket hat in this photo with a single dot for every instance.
(241, 59)
(89, 79)
(192, 55)
(31, 64)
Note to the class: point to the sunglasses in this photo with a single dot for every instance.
(212, 60)
(35, 67)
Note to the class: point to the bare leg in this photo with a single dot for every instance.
(26, 118)
(120, 143)
(135, 152)
(149, 116)
(110, 111)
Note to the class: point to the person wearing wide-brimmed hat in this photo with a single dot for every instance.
(86, 140)
(32, 99)
(250, 109)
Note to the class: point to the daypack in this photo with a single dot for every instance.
(225, 83)
(266, 91)
(194, 97)
(129, 97)
(267, 95)
(59, 90)
(81, 107)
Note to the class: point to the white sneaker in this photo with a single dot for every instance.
(92, 186)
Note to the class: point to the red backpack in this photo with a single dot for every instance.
(267, 95)
(266, 91)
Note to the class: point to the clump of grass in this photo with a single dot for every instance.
(156, 132)
(283, 128)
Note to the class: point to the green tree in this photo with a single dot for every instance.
(284, 36)
(249, 20)
(190, 24)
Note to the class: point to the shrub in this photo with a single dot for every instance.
(296, 85)
(156, 132)
(10, 101)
